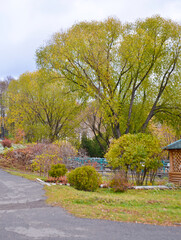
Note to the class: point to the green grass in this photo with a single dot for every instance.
(14, 146)
(29, 176)
(162, 207)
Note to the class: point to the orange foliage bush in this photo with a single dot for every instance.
(23, 158)
(6, 143)
(119, 182)
(62, 180)
(20, 134)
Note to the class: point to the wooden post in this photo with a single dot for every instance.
(171, 160)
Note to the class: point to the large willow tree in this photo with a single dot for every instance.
(133, 69)
(43, 107)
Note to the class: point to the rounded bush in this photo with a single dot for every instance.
(84, 178)
(6, 143)
(119, 182)
(57, 170)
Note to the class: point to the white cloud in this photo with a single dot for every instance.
(27, 24)
(172, 9)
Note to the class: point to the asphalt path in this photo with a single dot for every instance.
(24, 215)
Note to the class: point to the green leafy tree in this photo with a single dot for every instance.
(92, 146)
(42, 106)
(94, 121)
(42, 163)
(165, 134)
(131, 69)
(139, 153)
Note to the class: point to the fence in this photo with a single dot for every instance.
(164, 170)
(102, 165)
(99, 163)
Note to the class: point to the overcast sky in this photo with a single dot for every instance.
(25, 25)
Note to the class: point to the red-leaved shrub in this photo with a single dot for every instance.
(6, 143)
(23, 158)
(19, 136)
(62, 180)
(119, 182)
(93, 164)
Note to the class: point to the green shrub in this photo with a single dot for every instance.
(85, 178)
(138, 153)
(57, 170)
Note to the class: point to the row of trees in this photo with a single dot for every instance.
(116, 78)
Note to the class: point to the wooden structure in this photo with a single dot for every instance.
(175, 162)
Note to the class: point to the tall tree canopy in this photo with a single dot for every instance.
(133, 69)
(42, 106)
(3, 99)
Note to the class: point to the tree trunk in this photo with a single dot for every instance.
(116, 130)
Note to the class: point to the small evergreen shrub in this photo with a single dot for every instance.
(84, 178)
(92, 146)
(57, 170)
(119, 182)
(6, 143)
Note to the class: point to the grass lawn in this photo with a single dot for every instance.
(29, 176)
(162, 207)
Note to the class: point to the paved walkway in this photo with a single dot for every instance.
(24, 216)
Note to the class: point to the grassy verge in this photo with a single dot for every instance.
(162, 207)
(29, 176)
